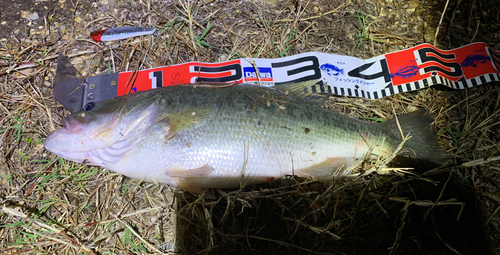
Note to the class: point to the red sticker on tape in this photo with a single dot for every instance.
(129, 82)
(424, 61)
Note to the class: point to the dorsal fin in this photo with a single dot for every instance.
(314, 92)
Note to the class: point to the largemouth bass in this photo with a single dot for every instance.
(197, 137)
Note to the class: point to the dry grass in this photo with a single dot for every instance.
(49, 205)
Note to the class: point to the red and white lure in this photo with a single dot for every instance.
(118, 33)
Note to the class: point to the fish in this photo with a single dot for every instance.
(119, 33)
(331, 69)
(198, 137)
(406, 72)
(474, 59)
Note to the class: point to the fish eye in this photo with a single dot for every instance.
(89, 106)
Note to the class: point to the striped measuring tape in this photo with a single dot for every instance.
(403, 71)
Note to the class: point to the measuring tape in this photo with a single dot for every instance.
(407, 70)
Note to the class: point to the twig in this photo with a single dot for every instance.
(139, 236)
(441, 20)
(319, 16)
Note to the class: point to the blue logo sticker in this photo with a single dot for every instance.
(474, 59)
(265, 74)
(331, 70)
(406, 72)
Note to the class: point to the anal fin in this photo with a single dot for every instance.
(329, 167)
(188, 186)
(186, 178)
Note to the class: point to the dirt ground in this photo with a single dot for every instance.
(50, 205)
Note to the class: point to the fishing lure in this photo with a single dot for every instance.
(118, 33)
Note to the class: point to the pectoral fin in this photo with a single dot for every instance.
(189, 117)
(180, 172)
(183, 119)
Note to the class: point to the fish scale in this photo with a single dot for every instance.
(199, 137)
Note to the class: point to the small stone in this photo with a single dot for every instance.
(38, 146)
(413, 4)
(77, 61)
(274, 2)
(29, 15)
(410, 10)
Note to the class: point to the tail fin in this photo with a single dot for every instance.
(422, 150)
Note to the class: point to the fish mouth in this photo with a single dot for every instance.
(61, 139)
(54, 138)
(76, 156)
(97, 157)
(53, 144)
(83, 133)
(99, 140)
